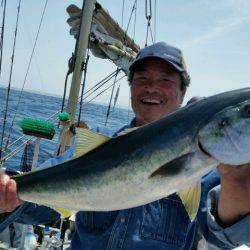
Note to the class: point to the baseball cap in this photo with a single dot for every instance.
(166, 52)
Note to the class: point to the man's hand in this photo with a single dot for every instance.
(8, 194)
(234, 201)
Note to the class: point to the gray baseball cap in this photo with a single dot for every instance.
(166, 52)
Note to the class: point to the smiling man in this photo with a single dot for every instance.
(158, 80)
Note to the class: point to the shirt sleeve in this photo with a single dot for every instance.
(235, 235)
(29, 213)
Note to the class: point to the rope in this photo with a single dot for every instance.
(85, 66)
(11, 68)
(111, 97)
(2, 36)
(26, 74)
(70, 70)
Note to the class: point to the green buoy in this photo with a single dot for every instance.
(63, 117)
(38, 128)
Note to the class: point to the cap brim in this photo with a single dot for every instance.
(136, 62)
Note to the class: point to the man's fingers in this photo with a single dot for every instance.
(3, 181)
(8, 194)
(12, 200)
(240, 173)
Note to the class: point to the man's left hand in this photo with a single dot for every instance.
(234, 201)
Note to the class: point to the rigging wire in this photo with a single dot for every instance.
(105, 80)
(122, 11)
(10, 76)
(103, 90)
(18, 148)
(130, 17)
(111, 97)
(148, 15)
(2, 35)
(31, 140)
(155, 21)
(135, 16)
(27, 71)
(100, 84)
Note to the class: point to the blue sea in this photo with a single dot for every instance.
(43, 106)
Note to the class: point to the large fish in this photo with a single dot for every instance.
(149, 162)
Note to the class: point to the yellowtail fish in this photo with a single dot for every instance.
(150, 162)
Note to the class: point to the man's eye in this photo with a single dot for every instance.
(141, 79)
(165, 81)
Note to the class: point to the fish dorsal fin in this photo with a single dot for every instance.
(126, 131)
(190, 197)
(87, 140)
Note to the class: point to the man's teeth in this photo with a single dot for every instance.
(154, 101)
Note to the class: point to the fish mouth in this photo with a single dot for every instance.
(151, 101)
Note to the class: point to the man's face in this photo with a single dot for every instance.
(155, 90)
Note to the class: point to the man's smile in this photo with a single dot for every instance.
(151, 101)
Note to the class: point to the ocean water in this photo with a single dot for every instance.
(43, 106)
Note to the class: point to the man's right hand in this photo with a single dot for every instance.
(8, 194)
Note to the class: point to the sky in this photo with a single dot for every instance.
(213, 35)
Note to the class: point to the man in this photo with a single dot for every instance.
(158, 82)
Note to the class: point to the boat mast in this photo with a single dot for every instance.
(81, 48)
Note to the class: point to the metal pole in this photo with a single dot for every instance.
(87, 13)
(81, 49)
(36, 153)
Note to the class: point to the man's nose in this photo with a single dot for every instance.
(150, 86)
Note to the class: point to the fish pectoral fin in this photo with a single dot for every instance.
(173, 167)
(190, 197)
(87, 140)
(127, 130)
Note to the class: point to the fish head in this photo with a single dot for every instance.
(226, 137)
